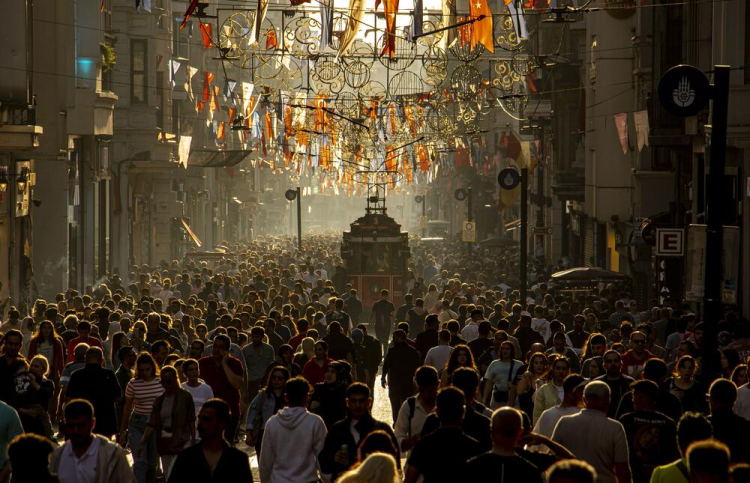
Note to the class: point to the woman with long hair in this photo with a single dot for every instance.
(522, 394)
(460, 356)
(33, 392)
(730, 359)
(140, 395)
(551, 394)
(595, 346)
(267, 403)
(685, 387)
(431, 297)
(376, 468)
(117, 342)
(47, 343)
(499, 377)
(739, 375)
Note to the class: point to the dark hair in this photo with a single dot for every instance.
(710, 457)
(572, 382)
(281, 369)
(223, 338)
(220, 407)
(322, 344)
(723, 391)
(466, 379)
(358, 388)
(655, 370)
(14, 333)
(79, 408)
(186, 363)
(450, 405)
(146, 358)
(452, 363)
(258, 330)
(297, 389)
(647, 388)
(426, 376)
(377, 442)
(156, 346)
(692, 427)
(29, 455)
(444, 335)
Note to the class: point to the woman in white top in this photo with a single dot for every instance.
(201, 391)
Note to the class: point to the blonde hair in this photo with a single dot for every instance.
(43, 361)
(376, 468)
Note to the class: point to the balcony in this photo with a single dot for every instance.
(92, 113)
(18, 129)
(569, 184)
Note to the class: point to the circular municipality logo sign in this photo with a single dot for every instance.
(290, 195)
(683, 91)
(508, 178)
(460, 194)
(419, 198)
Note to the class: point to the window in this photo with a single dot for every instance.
(138, 71)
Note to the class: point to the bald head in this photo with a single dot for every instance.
(596, 396)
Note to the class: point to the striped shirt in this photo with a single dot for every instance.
(144, 394)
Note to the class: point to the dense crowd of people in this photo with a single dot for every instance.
(166, 373)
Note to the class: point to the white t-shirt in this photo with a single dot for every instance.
(498, 372)
(549, 418)
(201, 394)
(438, 356)
(541, 326)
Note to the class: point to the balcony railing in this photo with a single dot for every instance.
(17, 114)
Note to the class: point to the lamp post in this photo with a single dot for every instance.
(291, 195)
(423, 221)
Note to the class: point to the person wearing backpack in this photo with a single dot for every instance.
(415, 409)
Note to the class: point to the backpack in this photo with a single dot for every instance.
(412, 403)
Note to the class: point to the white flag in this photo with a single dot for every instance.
(183, 150)
(621, 123)
(641, 128)
(519, 21)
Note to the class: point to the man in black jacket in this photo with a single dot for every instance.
(729, 428)
(400, 365)
(429, 338)
(340, 449)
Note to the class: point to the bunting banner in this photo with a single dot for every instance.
(271, 40)
(641, 128)
(208, 78)
(183, 150)
(449, 19)
(326, 24)
(188, 12)
(621, 123)
(481, 32)
(417, 23)
(260, 16)
(355, 15)
(515, 8)
(206, 29)
(191, 71)
(390, 7)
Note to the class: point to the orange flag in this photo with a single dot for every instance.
(271, 40)
(208, 78)
(200, 106)
(231, 115)
(321, 116)
(424, 162)
(269, 128)
(482, 29)
(390, 7)
(220, 134)
(206, 29)
(392, 115)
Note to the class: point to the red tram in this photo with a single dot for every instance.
(375, 253)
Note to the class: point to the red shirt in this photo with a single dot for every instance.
(313, 372)
(296, 341)
(633, 367)
(91, 341)
(216, 378)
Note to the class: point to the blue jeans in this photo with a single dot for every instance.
(144, 466)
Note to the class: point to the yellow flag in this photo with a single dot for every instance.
(356, 13)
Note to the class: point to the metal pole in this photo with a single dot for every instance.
(470, 218)
(424, 214)
(715, 200)
(524, 242)
(299, 219)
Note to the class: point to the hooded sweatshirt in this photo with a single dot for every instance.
(292, 440)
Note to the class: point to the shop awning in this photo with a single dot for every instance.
(211, 158)
(192, 234)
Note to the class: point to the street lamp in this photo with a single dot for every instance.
(3, 183)
(22, 180)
